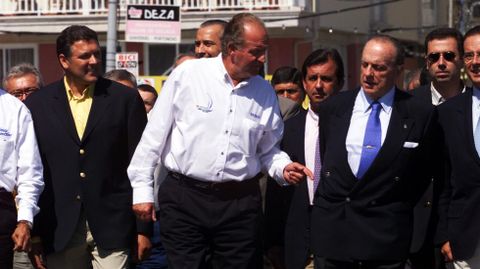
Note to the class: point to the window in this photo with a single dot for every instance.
(162, 56)
(12, 56)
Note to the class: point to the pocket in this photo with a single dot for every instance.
(247, 136)
(7, 149)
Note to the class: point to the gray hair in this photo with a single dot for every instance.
(121, 74)
(21, 70)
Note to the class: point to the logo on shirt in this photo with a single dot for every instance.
(5, 132)
(255, 116)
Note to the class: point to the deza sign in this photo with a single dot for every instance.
(153, 24)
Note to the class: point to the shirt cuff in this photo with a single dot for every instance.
(143, 195)
(278, 172)
(25, 213)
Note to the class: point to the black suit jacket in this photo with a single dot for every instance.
(424, 220)
(371, 218)
(116, 121)
(297, 230)
(278, 198)
(459, 205)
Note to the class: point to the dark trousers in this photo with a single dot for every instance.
(334, 264)
(8, 221)
(217, 220)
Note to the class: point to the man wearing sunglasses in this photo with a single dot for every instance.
(444, 52)
(22, 80)
(459, 220)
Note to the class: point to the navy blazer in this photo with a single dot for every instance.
(371, 218)
(88, 173)
(459, 205)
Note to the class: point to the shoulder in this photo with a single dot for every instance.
(10, 103)
(340, 101)
(114, 89)
(456, 102)
(298, 118)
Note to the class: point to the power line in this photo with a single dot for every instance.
(342, 10)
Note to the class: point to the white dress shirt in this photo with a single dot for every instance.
(311, 136)
(20, 165)
(204, 127)
(358, 124)
(475, 108)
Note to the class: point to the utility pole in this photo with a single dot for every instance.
(111, 35)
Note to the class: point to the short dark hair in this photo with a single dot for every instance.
(207, 23)
(473, 31)
(399, 48)
(321, 56)
(23, 69)
(121, 74)
(71, 35)
(444, 33)
(235, 28)
(287, 74)
(147, 88)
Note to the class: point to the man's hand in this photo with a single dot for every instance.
(36, 255)
(143, 247)
(144, 211)
(21, 237)
(447, 252)
(293, 173)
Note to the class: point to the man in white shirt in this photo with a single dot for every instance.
(215, 126)
(20, 170)
(374, 145)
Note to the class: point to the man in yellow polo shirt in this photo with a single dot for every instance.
(87, 129)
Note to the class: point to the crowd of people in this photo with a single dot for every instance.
(227, 170)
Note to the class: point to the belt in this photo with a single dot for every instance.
(209, 185)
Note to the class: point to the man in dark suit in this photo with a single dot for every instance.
(322, 76)
(444, 61)
(458, 228)
(87, 129)
(374, 144)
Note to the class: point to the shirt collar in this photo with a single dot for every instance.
(437, 97)
(386, 101)
(226, 76)
(86, 93)
(476, 94)
(312, 113)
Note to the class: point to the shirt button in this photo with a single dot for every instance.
(226, 132)
(231, 110)
(397, 179)
(78, 197)
(221, 153)
(428, 204)
(218, 174)
(82, 151)
(347, 199)
(82, 175)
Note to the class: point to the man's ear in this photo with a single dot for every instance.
(63, 61)
(231, 48)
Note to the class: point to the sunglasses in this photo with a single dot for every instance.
(435, 56)
(288, 91)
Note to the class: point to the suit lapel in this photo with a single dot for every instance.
(62, 111)
(341, 125)
(100, 103)
(466, 115)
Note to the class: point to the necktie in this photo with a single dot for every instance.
(317, 166)
(372, 141)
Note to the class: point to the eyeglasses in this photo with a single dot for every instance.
(288, 91)
(435, 56)
(23, 92)
(468, 56)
